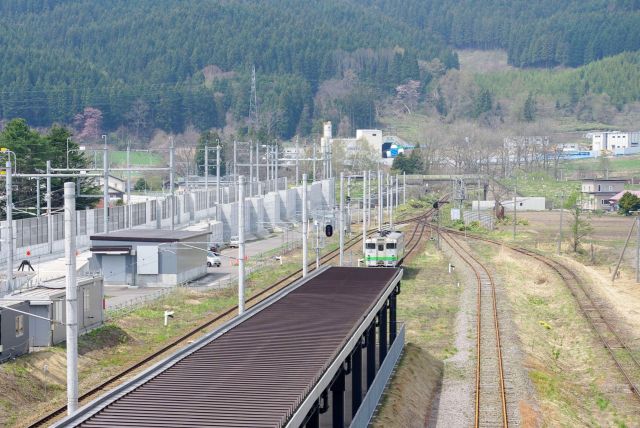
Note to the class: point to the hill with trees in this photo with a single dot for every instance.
(138, 66)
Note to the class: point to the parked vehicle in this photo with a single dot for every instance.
(234, 242)
(213, 259)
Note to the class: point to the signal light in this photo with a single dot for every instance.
(328, 230)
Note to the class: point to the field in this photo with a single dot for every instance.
(119, 158)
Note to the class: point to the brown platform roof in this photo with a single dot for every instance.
(260, 371)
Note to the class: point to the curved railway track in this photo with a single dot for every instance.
(596, 314)
(253, 300)
(490, 393)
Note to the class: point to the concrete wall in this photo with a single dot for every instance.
(155, 212)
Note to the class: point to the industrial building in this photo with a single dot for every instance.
(47, 303)
(14, 330)
(150, 257)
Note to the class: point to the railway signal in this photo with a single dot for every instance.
(328, 230)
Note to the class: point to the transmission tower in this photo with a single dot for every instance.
(253, 101)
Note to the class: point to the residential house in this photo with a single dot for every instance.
(597, 192)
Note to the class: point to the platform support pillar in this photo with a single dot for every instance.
(371, 354)
(356, 379)
(337, 401)
(382, 320)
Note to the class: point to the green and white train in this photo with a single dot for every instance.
(385, 249)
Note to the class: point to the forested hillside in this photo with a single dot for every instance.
(539, 33)
(162, 64)
(60, 56)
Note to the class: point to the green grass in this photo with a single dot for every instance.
(119, 158)
(541, 184)
(626, 164)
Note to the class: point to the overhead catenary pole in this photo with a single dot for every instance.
(129, 207)
(250, 169)
(404, 187)
(341, 218)
(241, 221)
(560, 231)
(314, 160)
(364, 212)
(297, 162)
(206, 183)
(317, 227)
(105, 168)
(38, 196)
(515, 208)
(389, 200)
(218, 181)
(235, 168)
(71, 297)
(304, 225)
(9, 241)
(275, 167)
(380, 201)
(49, 210)
(638, 250)
(172, 201)
(258, 163)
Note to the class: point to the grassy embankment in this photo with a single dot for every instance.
(428, 305)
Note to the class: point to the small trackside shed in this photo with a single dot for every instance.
(14, 330)
(150, 257)
(47, 302)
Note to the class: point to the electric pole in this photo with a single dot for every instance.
(364, 212)
(380, 200)
(9, 241)
(105, 167)
(341, 219)
(171, 184)
(129, 207)
(560, 231)
(304, 225)
(71, 297)
(241, 245)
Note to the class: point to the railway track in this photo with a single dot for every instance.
(490, 393)
(251, 301)
(596, 314)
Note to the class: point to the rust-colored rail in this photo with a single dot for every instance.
(622, 356)
(255, 299)
(484, 332)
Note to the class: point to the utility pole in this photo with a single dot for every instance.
(380, 207)
(404, 187)
(638, 250)
(71, 297)
(304, 225)
(218, 178)
(367, 196)
(317, 225)
(9, 241)
(38, 196)
(389, 200)
(235, 167)
(515, 208)
(341, 218)
(364, 212)
(105, 167)
(241, 245)
(49, 212)
(250, 169)
(206, 183)
(560, 231)
(258, 165)
(275, 167)
(171, 180)
(297, 162)
(314, 161)
(129, 225)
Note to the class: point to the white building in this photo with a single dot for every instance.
(615, 141)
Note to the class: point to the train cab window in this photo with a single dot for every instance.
(391, 245)
(371, 246)
(381, 247)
